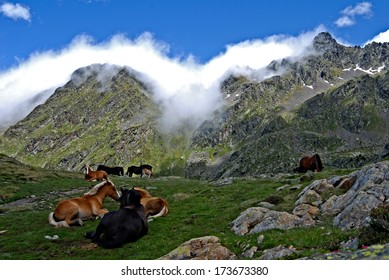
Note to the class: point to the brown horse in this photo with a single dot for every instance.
(72, 211)
(312, 163)
(155, 206)
(91, 175)
(146, 172)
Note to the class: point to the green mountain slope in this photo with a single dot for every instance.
(102, 115)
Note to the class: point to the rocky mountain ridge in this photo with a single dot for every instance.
(332, 101)
(269, 128)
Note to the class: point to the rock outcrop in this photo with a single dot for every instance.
(202, 248)
(364, 190)
(258, 219)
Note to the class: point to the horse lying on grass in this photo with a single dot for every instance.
(127, 224)
(73, 211)
(91, 175)
(155, 206)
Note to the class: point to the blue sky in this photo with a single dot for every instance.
(183, 49)
(202, 28)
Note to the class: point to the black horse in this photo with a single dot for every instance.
(127, 224)
(117, 170)
(139, 170)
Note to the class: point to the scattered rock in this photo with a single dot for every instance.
(266, 205)
(249, 254)
(295, 187)
(304, 209)
(322, 186)
(351, 244)
(260, 239)
(54, 237)
(278, 252)
(310, 197)
(282, 187)
(375, 252)
(202, 248)
(223, 182)
(346, 184)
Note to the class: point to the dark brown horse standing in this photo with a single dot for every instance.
(117, 170)
(312, 163)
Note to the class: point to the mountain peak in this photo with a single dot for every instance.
(324, 42)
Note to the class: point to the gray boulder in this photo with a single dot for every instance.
(258, 219)
(202, 248)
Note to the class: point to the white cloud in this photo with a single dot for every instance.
(380, 38)
(349, 14)
(363, 8)
(15, 11)
(187, 89)
(344, 21)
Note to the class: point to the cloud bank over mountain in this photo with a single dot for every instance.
(187, 89)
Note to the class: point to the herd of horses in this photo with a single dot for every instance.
(102, 172)
(137, 205)
(127, 224)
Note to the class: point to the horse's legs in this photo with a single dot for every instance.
(71, 221)
(116, 241)
(100, 212)
(63, 224)
(99, 231)
(77, 221)
(67, 212)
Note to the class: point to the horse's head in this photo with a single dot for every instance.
(112, 191)
(103, 189)
(129, 198)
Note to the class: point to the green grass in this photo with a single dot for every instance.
(197, 209)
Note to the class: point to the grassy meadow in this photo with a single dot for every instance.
(197, 208)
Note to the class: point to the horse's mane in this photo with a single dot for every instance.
(94, 190)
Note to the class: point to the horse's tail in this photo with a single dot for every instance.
(164, 211)
(319, 163)
(53, 222)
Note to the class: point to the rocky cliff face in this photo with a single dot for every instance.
(333, 101)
